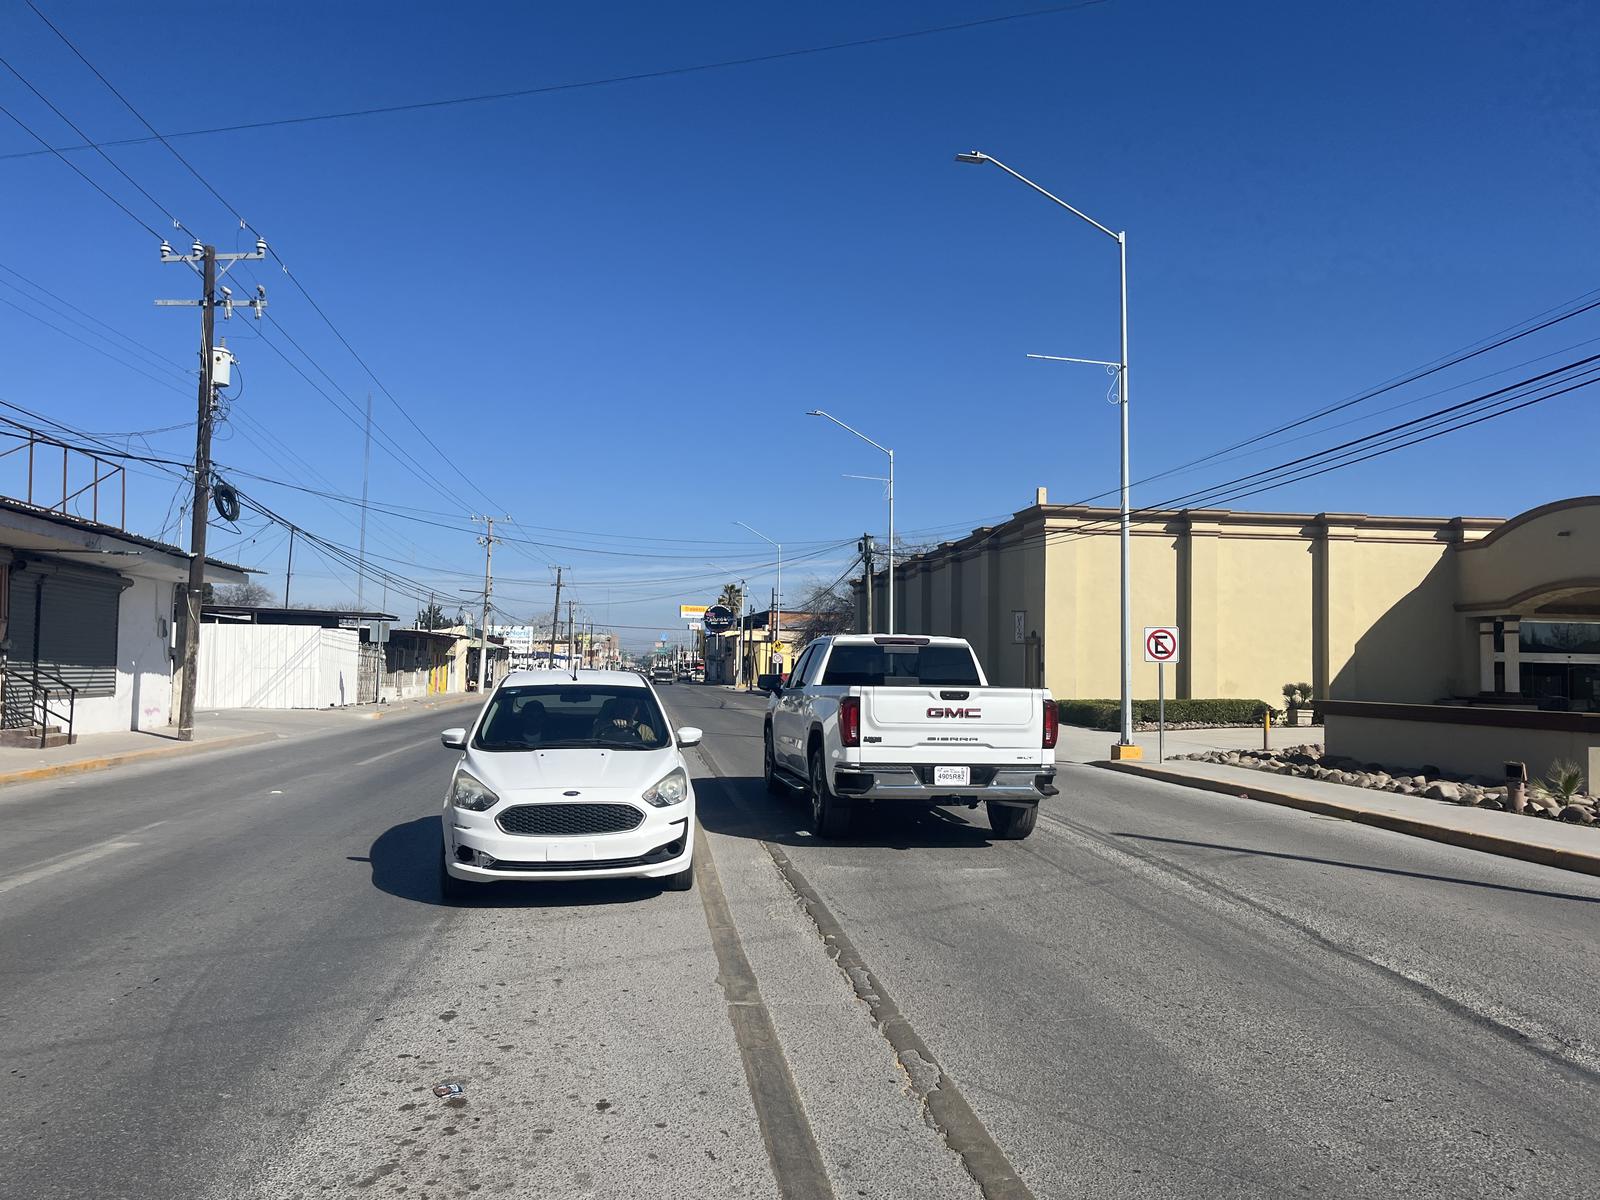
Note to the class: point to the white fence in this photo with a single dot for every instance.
(277, 666)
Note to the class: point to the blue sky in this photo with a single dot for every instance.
(611, 306)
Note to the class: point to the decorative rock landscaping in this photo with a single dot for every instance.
(1309, 762)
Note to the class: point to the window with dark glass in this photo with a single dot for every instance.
(1559, 637)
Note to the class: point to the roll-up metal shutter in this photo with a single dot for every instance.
(67, 623)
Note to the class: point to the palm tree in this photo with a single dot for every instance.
(730, 597)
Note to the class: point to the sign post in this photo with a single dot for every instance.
(1161, 647)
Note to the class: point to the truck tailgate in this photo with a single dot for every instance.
(934, 724)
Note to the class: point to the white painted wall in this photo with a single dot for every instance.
(276, 666)
(143, 698)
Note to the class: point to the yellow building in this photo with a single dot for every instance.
(1397, 609)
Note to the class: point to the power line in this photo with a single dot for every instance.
(133, 216)
(1449, 419)
(153, 358)
(89, 345)
(115, 166)
(577, 85)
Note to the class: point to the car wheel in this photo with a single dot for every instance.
(683, 881)
(1011, 823)
(451, 889)
(769, 768)
(830, 816)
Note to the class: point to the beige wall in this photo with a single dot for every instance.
(1391, 628)
(1358, 606)
(1543, 552)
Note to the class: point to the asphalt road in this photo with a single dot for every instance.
(232, 977)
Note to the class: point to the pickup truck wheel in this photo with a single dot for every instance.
(1010, 823)
(769, 769)
(830, 816)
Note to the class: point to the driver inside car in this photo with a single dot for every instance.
(624, 721)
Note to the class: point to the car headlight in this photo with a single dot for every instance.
(670, 790)
(470, 793)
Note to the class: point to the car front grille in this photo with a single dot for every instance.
(569, 820)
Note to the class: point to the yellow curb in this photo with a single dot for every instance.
(1488, 843)
(83, 765)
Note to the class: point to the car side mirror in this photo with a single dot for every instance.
(454, 739)
(690, 736)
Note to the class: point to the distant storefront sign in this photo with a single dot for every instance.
(718, 618)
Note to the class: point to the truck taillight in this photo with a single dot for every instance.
(1052, 725)
(850, 721)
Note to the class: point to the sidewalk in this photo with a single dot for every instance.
(212, 731)
(1552, 843)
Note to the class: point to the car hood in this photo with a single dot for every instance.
(570, 770)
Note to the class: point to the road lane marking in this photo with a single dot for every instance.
(71, 861)
(368, 761)
(791, 1143)
(942, 1103)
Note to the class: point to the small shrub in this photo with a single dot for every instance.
(1564, 781)
(1107, 714)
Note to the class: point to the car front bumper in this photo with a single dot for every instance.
(477, 849)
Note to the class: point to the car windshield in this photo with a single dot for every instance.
(572, 717)
(900, 666)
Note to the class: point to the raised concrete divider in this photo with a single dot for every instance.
(1570, 847)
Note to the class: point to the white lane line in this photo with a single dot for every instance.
(64, 864)
(366, 761)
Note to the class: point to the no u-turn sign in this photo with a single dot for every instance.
(1161, 643)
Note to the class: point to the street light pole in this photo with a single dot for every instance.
(777, 594)
(817, 412)
(1121, 366)
(779, 545)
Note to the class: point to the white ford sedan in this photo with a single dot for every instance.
(569, 778)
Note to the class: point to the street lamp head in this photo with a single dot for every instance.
(816, 412)
(972, 156)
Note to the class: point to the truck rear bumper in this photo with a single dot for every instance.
(1017, 784)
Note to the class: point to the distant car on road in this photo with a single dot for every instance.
(569, 778)
(661, 675)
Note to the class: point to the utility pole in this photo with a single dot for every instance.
(555, 619)
(738, 611)
(203, 261)
(487, 541)
(430, 612)
(288, 570)
(866, 557)
(772, 632)
(572, 664)
(366, 464)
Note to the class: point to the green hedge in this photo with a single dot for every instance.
(1107, 714)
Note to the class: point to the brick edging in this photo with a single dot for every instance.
(1488, 843)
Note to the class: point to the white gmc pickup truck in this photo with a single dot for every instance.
(869, 718)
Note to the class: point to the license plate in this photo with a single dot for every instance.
(952, 776)
(571, 851)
